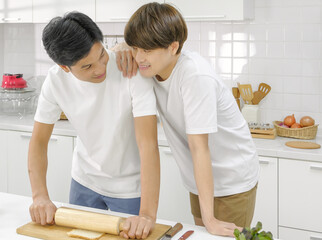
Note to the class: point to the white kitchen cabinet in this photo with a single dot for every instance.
(45, 10)
(118, 11)
(16, 11)
(224, 10)
(266, 210)
(174, 203)
(60, 152)
(3, 160)
(294, 234)
(300, 195)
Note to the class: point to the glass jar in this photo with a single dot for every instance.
(18, 101)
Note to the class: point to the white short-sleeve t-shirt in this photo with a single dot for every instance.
(193, 100)
(106, 157)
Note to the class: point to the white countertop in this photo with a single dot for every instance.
(14, 212)
(25, 124)
(265, 147)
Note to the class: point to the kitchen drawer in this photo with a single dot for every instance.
(60, 153)
(300, 194)
(174, 203)
(266, 196)
(3, 160)
(295, 234)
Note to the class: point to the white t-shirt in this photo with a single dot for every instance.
(106, 157)
(193, 100)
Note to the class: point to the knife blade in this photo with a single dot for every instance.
(186, 235)
(169, 234)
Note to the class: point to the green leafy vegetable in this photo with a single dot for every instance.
(253, 234)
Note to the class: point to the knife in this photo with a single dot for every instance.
(169, 234)
(186, 235)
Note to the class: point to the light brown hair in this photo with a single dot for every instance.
(156, 25)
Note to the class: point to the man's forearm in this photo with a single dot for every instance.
(200, 152)
(150, 181)
(204, 180)
(37, 168)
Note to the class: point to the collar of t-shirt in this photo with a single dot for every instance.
(166, 83)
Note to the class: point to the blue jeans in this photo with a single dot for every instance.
(81, 195)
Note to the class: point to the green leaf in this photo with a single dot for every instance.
(236, 233)
(242, 237)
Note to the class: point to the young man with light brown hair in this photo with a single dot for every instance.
(207, 134)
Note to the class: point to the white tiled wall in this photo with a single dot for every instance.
(1, 48)
(281, 47)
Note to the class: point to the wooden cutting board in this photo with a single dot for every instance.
(54, 232)
(302, 145)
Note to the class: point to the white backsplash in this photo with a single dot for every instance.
(281, 47)
(1, 48)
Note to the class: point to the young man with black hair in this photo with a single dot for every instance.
(208, 136)
(115, 121)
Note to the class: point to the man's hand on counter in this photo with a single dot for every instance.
(42, 211)
(221, 228)
(137, 227)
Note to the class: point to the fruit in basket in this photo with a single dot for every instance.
(289, 120)
(283, 125)
(296, 125)
(307, 121)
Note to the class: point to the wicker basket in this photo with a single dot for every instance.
(301, 133)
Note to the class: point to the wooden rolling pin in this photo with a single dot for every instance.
(91, 221)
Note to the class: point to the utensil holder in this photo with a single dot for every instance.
(251, 113)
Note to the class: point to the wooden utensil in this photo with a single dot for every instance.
(258, 96)
(246, 92)
(83, 220)
(302, 145)
(235, 92)
(91, 221)
(236, 95)
(54, 232)
(264, 88)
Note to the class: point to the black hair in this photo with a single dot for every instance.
(70, 38)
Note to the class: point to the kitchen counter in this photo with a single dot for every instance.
(265, 147)
(14, 212)
(25, 124)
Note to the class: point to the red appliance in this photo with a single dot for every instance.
(13, 81)
(16, 98)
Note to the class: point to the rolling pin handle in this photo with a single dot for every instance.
(121, 225)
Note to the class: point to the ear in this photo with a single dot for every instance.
(65, 68)
(174, 47)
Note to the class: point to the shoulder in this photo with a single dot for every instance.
(56, 72)
(192, 67)
(56, 78)
(191, 63)
(139, 81)
(111, 58)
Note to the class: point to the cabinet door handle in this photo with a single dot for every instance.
(316, 167)
(197, 18)
(264, 161)
(168, 152)
(315, 238)
(10, 19)
(28, 136)
(120, 19)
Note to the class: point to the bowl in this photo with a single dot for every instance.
(18, 101)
